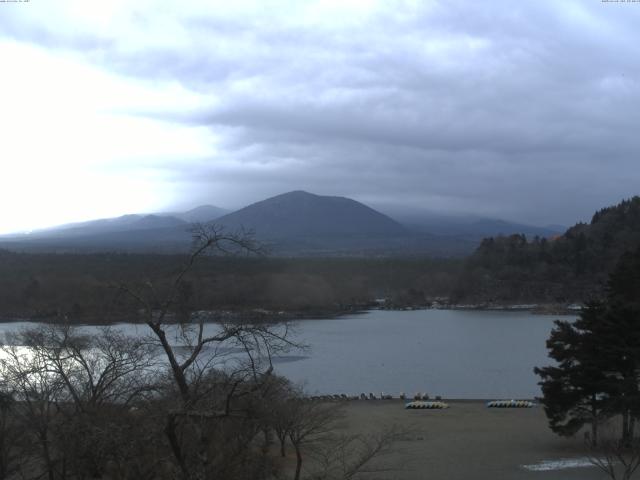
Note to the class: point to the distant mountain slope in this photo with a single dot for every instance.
(124, 223)
(131, 222)
(301, 214)
(493, 227)
(292, 224)
(201, 214)
(121, 222)
(571, 266)
(149, 240)
(468, 226)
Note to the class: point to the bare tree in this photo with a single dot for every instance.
(618, 458)
(37, 392)
(281, 416)
(309, 422)
(108, 368)
(158, 307)
(11, 454)
(344, 457)
(197, 348)
(311, 428)
(73, 393)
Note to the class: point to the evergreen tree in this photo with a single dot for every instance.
(619, 336)
(575, 391)
(598, 359)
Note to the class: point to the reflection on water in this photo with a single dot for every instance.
(453, 353)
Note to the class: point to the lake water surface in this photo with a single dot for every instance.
(452, 353)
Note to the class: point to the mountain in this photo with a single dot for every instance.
(124, 223)
(130, 233)
(302, 214)
(292, 224)
(492, 227)
(201, 214)
(148, 222)
(471, 227)
(297, 223)
(131, 223)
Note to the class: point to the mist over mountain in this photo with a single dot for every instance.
(473, 227)
(296, 223)
(133, 222)
(125, 223)
(201, 214)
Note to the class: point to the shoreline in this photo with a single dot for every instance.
(534, 308)
(264, 315)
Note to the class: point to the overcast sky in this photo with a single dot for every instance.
(524, 110)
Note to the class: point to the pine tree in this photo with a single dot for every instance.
(619, 336)
(598, 359)
(575, 391)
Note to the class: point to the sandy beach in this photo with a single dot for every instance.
(470, 441)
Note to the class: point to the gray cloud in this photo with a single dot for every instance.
(525, 110)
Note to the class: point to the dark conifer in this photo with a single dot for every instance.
(575, 391)
(598, 359)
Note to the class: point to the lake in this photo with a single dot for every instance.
(452, 353)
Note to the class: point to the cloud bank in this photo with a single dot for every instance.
(523, 110)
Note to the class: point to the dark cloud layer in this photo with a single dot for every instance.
(525, 110)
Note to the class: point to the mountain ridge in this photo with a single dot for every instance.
(294, 223)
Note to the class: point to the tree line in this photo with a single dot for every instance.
(84, 287)
(566, 269)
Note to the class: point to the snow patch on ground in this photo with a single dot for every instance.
(560, 464)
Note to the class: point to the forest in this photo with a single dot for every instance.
(86, 287)
(570, 268)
